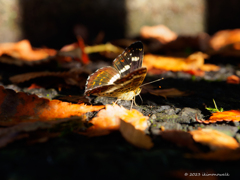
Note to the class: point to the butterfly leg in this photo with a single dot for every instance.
(132, 103)
(134, 99)
(141, 98)
(117, 101)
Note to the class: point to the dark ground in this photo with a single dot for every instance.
(73, 156)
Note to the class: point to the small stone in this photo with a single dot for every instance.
(237, 137)
(236, 123)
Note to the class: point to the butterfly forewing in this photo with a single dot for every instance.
(103, 76)
(130, 59)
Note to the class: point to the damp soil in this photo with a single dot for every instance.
(73, 156)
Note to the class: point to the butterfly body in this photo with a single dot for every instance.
(123, 80)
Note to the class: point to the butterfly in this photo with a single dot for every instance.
(123, 79)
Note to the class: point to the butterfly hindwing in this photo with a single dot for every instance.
(128, 83)
(132, 80)
(130, 59)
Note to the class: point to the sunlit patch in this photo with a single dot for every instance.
(135, 58)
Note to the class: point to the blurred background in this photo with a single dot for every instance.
(57, 22)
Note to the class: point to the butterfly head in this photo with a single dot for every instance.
(137, 91)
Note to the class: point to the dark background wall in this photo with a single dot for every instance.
(57, 22)
(222, 14)
(54, 23)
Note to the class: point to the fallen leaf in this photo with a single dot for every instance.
(224, 37)
(106, 121)
(24, 51)
(21, 107)
(75, 51)
(180, 138)
(172, 92)
(232, 115)
(84, 56)
(109, 119)
(72, 77)
(193, 62)
(214, 139)
(34, 86)
(159, 32)
(27, 129)
(130, 123)
(233, 79)
(135, 136)
(108, 47)
(195, 72)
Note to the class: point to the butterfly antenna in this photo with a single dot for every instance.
(141, 98)
(152, 82)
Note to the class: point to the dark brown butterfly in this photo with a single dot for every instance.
(123, 79)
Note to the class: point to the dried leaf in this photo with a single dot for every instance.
(23, 50)
(108, 120)
(103, 47)
(193, 62)
(22, 130)
(233, 79)
(74, 51)
(172, 92)
(232, 115)
(224, 37)
(214, 139)
(84, 56)
(159, 32)
(136, 137)
(180, 138)
(18, 107)
(71, 77)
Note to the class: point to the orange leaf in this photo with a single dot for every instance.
(108, 120)
(76, 50)
(134, 136)
(81, 44)
(193, 62)
(160, 32)
(233, 79)
(214, 139)
(232, 115)
(16, 107)
(224, 37)
(195, 72)
(23, 50)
